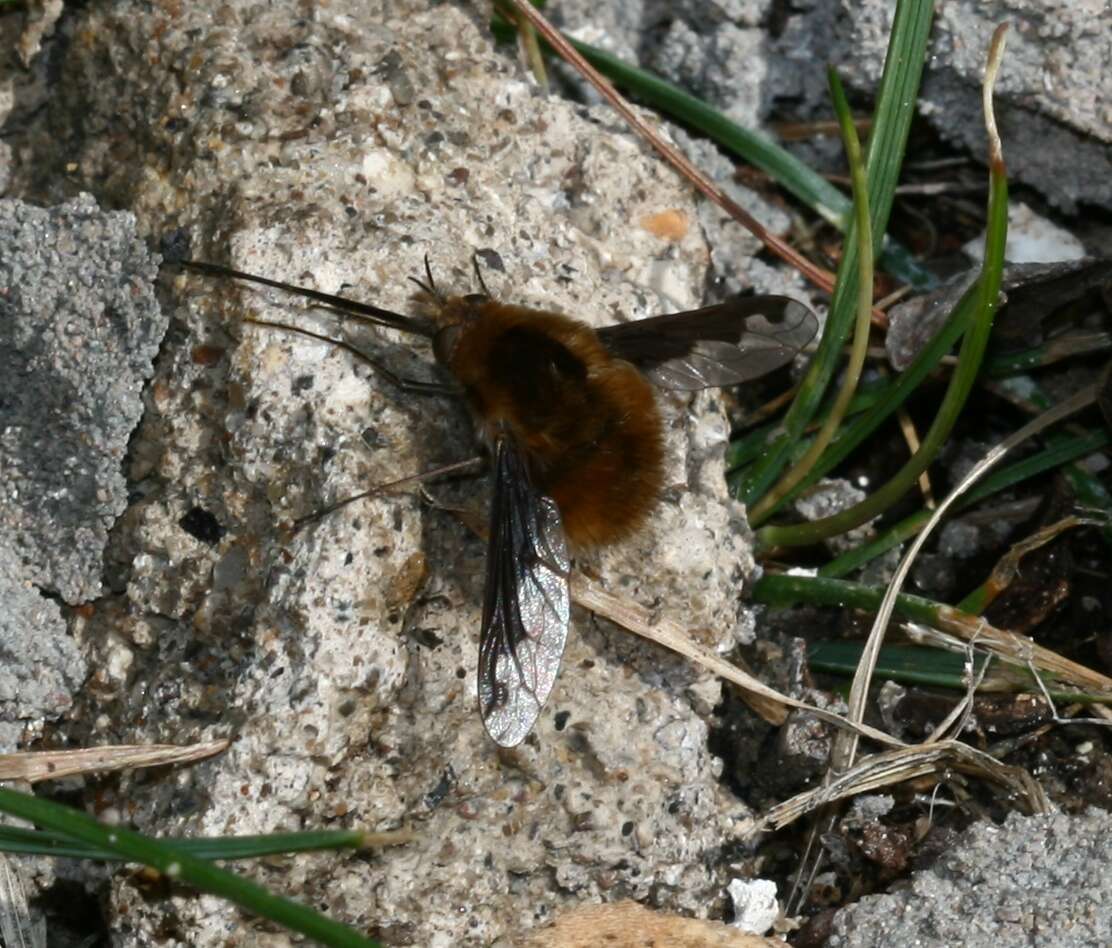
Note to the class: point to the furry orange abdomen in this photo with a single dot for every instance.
(586, 422)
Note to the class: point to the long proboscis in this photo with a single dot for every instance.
(361, 312)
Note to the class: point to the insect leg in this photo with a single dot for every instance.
(455, 467)
(470, 518)
(479, 275)
(415, 386)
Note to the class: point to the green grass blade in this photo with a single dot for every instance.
(862, 324)
(905, 663)
(780, 165)
(745, 448)
(922, 665)
(177, 864)
(784, 590)
(14, 839)
(897, 392)
(1054, 350)
(961, 384)
(892, 120)
(1087, 488)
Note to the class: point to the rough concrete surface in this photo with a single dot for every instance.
(40, 665)
(335, 146)
(631, 30)
(337, 150)
(79, 328)
(1053, 96)
(1039, 881)
(1054, 93)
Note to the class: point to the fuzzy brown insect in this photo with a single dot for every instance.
(570, 419)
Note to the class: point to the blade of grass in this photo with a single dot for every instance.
(986, 292)
(895, 108)
(937, 668)
(864, 235)
(531, 46)
(845, 745)
(1087, 488)
(668, 633)
(14, 839)
(1007, 568)
(34, 766)
(911, 664)
(17, 930)
(782, 590)
(898, 391)
(1051, 351)
(882, 770)
(178, 865)
(894, 394)
(745, 448)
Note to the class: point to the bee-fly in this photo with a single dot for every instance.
(568, 415)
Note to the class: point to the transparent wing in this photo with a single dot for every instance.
(526, 605)
(739, 339)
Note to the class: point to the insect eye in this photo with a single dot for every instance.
(444, 343)
(476, 299)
